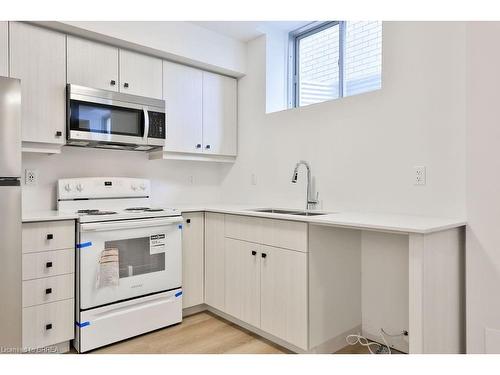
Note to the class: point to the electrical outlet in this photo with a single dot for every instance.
(191, 180)
(419, 175)
(253, 179)
(31, 177)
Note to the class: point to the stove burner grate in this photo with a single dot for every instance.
(143, 209)
(96, 212)
(103, 213)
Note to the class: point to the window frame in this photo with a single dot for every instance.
(293, 58)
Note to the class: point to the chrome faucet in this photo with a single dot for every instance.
(311, 201)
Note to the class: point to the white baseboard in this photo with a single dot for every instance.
(194, 310)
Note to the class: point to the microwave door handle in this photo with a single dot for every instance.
(146, 125)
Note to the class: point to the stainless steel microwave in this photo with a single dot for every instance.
(106, 119)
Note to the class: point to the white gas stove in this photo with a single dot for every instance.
(128, 258)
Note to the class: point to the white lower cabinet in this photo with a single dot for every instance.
(48, 324)
(261, 285)
(242, 281)
(267, 287)
(214, 260)
(192, 259)
(48, 283)
(283, 300)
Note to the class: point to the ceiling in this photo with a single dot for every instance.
(248, 30)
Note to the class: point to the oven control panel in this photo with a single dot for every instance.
(103, 187)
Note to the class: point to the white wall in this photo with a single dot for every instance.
(179, 41)
(170, 179)
(363, 148)
(483, 187)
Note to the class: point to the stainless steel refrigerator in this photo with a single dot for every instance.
(10, 216)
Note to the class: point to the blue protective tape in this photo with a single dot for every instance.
(83, 324)
(82, 245)
(180, 226)
(178, 294)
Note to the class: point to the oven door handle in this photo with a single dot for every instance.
(146, 124)
(129, 224)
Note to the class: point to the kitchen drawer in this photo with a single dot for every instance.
(245, 228)
(49, 289)
(48, 263)
(48, 324)
(286, 234)
(51, 235)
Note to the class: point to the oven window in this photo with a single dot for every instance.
(135, 257)
(101, 118)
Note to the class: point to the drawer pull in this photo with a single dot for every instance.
(48, 291)
(48, 326)
(188, 221)
(254, 252)
(50, 236)
(48, 264)
(264, 255)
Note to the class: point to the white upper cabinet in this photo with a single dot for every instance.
(38, 59)
(182, 90)
(219, 114)
(140, 74)
(92, 64)
(4, 48)
(201, 112)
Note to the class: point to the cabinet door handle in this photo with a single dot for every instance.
(48, 290)
(263, 255)
(254, 252)
(48, 326)
(58, 133)
(48, 264)
(207, 147)
(112, 82)
(188, 221)
(198, 145)
(50, 236)
(125, 85)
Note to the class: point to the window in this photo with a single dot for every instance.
(334, 59)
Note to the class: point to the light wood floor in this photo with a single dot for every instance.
(202, 333)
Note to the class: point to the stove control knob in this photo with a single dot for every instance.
(67, 187)
(143, 187)
(134, 187)
(79, 187)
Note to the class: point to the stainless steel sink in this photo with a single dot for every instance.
(288, 212)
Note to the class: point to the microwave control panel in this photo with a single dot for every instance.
(156, 125)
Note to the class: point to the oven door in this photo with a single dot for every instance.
(149, 259)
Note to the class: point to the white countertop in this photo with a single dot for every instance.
(47, 215)
(360, 220)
